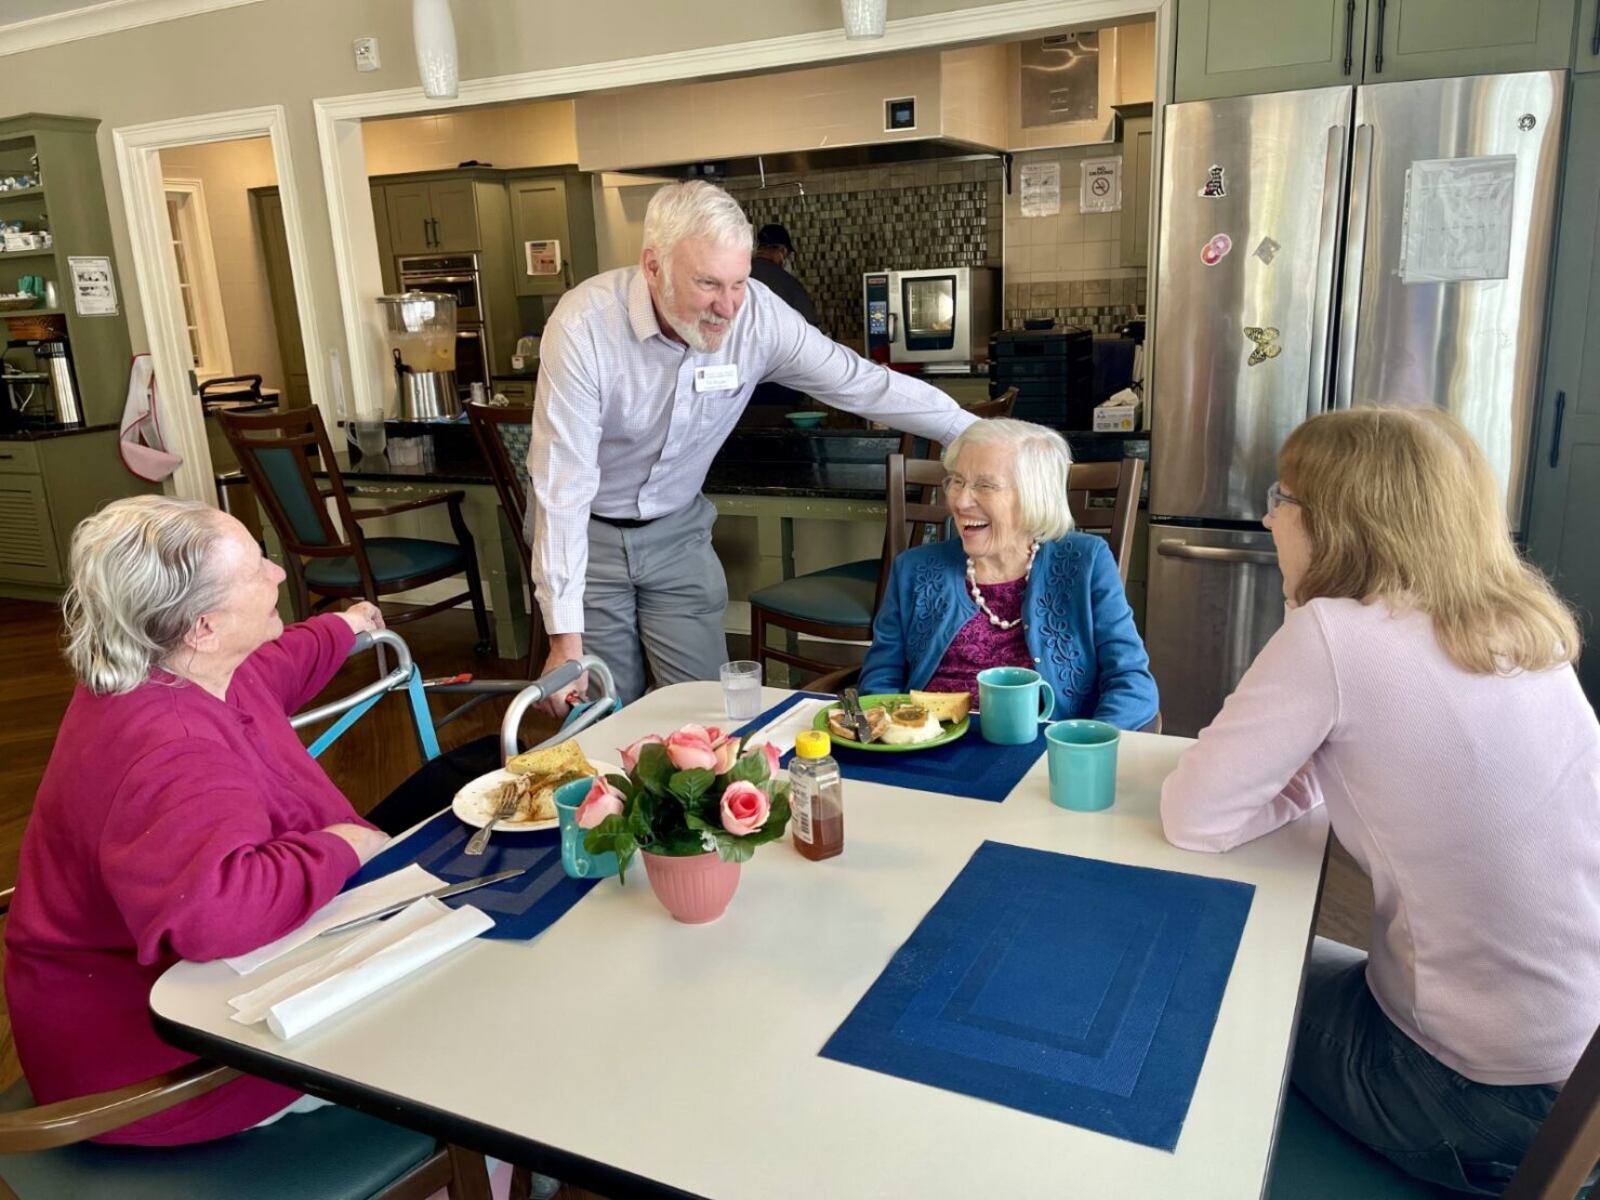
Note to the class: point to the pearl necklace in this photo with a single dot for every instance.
(977, 593)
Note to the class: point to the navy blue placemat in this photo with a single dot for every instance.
(1075, 989)
(968, 766)
(521, 908)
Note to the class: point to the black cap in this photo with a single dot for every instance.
(774, 235)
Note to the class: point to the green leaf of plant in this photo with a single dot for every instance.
(752, 768)
(654, 769)
(690, 785)
(604, 836)
(735, 849)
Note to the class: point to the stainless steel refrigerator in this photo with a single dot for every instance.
(1380, 245)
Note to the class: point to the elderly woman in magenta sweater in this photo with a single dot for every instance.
(1422, 688)
(1018, 588)
(179, 817)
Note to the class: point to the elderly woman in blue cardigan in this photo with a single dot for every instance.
(1018, 588)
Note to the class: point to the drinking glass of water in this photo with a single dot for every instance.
(741, 690)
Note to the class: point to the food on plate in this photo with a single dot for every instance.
(910, 724)
(839, 725)
(947, 706)
(538, 774)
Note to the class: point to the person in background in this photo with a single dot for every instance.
(179, 816)
(1018, 588)
(643, 373)
(769, 265)
(1421, 687)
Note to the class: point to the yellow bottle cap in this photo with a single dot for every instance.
(813, 743)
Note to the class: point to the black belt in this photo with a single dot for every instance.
(625, 522)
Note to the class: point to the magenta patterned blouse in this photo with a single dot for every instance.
(979, 644)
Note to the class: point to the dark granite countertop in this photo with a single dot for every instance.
(44, 431)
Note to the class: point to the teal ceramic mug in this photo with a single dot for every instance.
(1011, 703)
(577, 862)
(1083, 764)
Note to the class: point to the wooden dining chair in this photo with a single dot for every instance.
(279, 452)
(331, 1154)
(1316, 1160)
(503, 434)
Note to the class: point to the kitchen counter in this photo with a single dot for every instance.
(46, 430)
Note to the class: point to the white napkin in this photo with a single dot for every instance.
(405, 884)
(332, 982)
(782, 731)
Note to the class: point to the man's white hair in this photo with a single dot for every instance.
(140, 581)
(695, 209)
(1040, 462)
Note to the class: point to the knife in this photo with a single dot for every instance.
(850, 699)
(454, 889)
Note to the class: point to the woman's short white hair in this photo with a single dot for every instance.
(140, 581)
(1040, 459)
(695, 209)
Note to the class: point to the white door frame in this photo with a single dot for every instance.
(344, 164)
(204, 290)
(138, 149)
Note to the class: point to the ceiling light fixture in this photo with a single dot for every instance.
(864, 18)
(434, 31)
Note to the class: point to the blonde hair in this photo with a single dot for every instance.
(1042, 461)
(1402, 504)
(139, 583)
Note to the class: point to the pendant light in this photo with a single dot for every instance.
(434, 31)
(864, 18)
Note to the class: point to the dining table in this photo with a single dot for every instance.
(632, 1055)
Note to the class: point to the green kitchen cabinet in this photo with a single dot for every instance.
(1138, 156)
(1588, 56)
(455, 216)
(432, 216)
(410, 217)
(1566, 464)
(27, 539)
(553, 206)
(1240, 47)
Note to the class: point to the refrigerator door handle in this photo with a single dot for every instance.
(1178, 548)
(1327, 254)
(1354, 263)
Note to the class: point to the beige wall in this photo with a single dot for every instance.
(511, 135)
(226, 170)
(289, 52)
(977, 82)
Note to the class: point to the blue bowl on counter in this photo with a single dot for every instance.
(805, 420)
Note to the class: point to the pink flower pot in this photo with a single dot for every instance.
(695, 889)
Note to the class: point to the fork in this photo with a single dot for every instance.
(503, 809)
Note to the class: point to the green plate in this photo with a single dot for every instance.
(951, 733)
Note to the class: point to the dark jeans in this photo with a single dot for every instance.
(1383, 1089)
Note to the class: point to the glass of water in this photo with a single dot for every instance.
(741, 690)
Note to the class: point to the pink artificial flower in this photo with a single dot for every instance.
(773, 757)
(630, 756)
(691, 749)
(727, 752)
(745, 808)
(602, 801)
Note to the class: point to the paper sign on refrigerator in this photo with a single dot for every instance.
(1457, 220)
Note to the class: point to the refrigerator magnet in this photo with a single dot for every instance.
(1267, 250)
(1215, 187)
(1266, 344)
(1216, 249)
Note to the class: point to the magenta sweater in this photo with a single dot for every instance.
(1472, 802)
(170, 825)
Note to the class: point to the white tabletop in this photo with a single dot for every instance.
(687, 1056)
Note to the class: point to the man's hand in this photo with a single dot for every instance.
(363, 617)
(365, 842)
(564, 647)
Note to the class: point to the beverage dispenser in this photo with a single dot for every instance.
(421, 330)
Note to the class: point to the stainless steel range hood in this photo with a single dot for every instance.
(827, 158)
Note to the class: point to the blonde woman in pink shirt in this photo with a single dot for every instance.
(1422, 688)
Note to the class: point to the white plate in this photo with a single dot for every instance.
(472, 802)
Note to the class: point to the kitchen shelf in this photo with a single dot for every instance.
(20, 193)
(50, 253)
(33, 312)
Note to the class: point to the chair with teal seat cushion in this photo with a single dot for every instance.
(504, 432)
(283, 453)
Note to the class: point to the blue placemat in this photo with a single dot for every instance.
(1075, 989)
(968, 766)
(521, 908)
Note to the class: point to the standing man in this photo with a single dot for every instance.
(643, 372)
(768, 265)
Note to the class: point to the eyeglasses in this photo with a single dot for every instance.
(982, 488)
(1276, 496)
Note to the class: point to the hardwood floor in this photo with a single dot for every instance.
(369, 761)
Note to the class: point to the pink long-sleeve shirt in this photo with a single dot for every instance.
(170, 825)
(1472, 801)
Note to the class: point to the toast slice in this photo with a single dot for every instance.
(950, 707)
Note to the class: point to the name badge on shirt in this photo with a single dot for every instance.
(716, 379)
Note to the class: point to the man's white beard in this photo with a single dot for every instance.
(692, 331)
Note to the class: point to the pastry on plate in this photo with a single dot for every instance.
(538, 774)
(840, 727)
(947, 706)
(910, 724)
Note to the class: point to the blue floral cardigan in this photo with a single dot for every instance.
(1075, 613)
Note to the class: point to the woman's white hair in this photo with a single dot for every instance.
(1040, 460)
(695, 209)
(140, 581)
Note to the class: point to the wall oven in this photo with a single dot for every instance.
(455, 275)
(940, 317)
